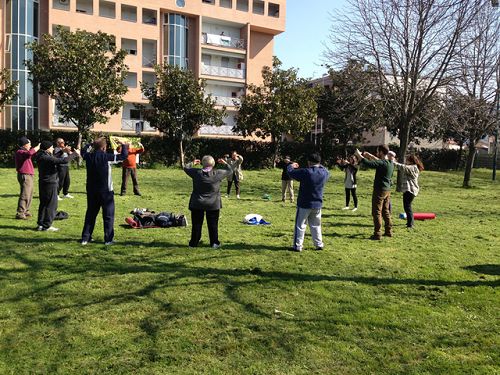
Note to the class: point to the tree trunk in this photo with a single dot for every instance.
(344, 150)
(459, 159)
(470, 163)
(404, 141)
(79, 147)
(276, 149)
(181, 153)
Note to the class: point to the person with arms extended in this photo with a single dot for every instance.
(205, 199)
(286, 180)
(48, 184)
(234, 163)
(130, 168)
(350, 168)
(310, 201)
(62, 151)
(99, 187)
(410, 172)
(25, 176)
(381, 195)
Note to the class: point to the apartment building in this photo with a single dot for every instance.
(225, 42)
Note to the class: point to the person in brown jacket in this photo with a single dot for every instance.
(130, 168)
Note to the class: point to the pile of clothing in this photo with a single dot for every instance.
(145, 218)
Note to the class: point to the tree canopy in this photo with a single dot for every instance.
(8, 88)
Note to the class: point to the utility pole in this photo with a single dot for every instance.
(495, 146)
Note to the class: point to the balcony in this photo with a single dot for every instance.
(219, 71)
(226, 101)
(223, 41)
(135, 126)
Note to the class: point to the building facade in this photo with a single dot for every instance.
(225, 42)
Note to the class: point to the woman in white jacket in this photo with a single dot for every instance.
(410, 172)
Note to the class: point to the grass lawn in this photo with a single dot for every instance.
(423, 302)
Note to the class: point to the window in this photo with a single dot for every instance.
(258, 7)
(135, 114)
(242, 5)
(61, 4)
(129, 13)
(226, 3)
(131, 80)
(148, 53)
(149, 16)
(107, 9)
(273, 10)
(129, 45)
(85, 6)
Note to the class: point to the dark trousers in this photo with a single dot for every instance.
(64, 180)
(132, 172)
(96, 201)
(48, 204)
(212, 224)
(380, 209)
(236, 184)
(407, 200)
(348, 193)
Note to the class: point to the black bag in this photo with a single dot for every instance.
(61, 215)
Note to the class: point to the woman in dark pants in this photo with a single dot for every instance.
(350, 167)
(410, 172)
(205, 198)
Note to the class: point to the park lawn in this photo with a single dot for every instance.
(423, 302)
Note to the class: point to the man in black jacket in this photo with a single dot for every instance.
(100, 192)
(48, 182)
(62, 151)
(205, 198)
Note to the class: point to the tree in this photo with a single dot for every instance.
(179, 104)
(471, 103)
(8, 88)
(412, 44)
(348, 106)
(83, 72)
(283, 104)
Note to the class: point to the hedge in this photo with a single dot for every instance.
(162, 151)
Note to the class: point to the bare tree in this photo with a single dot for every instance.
(412, 43)
(471, 103)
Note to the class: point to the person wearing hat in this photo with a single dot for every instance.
(48, 183)
(25, 173)
(310, 200)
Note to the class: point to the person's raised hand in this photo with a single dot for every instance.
(37, 147)
(221, 161)
(295, 165)
(196, 161)
(358, 154)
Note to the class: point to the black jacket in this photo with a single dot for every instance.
(284, 171)
(206, 188)
(61, 154)
(47, 166)
(98, 164)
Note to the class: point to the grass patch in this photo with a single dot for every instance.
(423, 302)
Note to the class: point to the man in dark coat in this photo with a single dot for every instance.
(205, 198)
(48, 182)
(61, 151)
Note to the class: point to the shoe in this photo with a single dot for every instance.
(292, 201)
(215, 246)
(387, 234)
(354, 209)
(375, 238)
(83, 243)
(28, 214)
(238, 196)
(138, 194)
(59, 198)
(295, 249)
(51, 229)
(21, 217)
(39, 228)
(319, 248)
(68, 196)
(109, 243)
(346, 208)
(226, 196)
(283, 200)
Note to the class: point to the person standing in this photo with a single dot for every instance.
(286, 180)
(350, 168)
(48, 184)
(234, 163)
(410, 172)
(62, 151)
(310, 201)
(129, 167)
(381, 195)
(205, 199)
(25, 175)
(99, 188)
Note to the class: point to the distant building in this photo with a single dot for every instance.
(226, 42)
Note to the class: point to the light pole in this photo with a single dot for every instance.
(495, 146)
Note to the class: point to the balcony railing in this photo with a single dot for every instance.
(135, 125)
(223, 41)
(148, 62)
(226, 101)
(219, 71)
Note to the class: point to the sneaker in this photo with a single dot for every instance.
(387, 234)
(59, 198)
(138, 194)
(375, 238)
(68, 196)
(354, 209)
(83, 243)
(346, 208)
(39, 228)
(226, 196)
(109, 243)
(295, 249)
(319, 248)
(21, 217)
(215, 246)
(28, 214)
(51, 229)
(238, 196)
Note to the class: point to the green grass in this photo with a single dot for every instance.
(423, 302)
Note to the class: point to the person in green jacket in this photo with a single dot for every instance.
(381, 196)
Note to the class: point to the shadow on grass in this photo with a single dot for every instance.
(488, 269)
